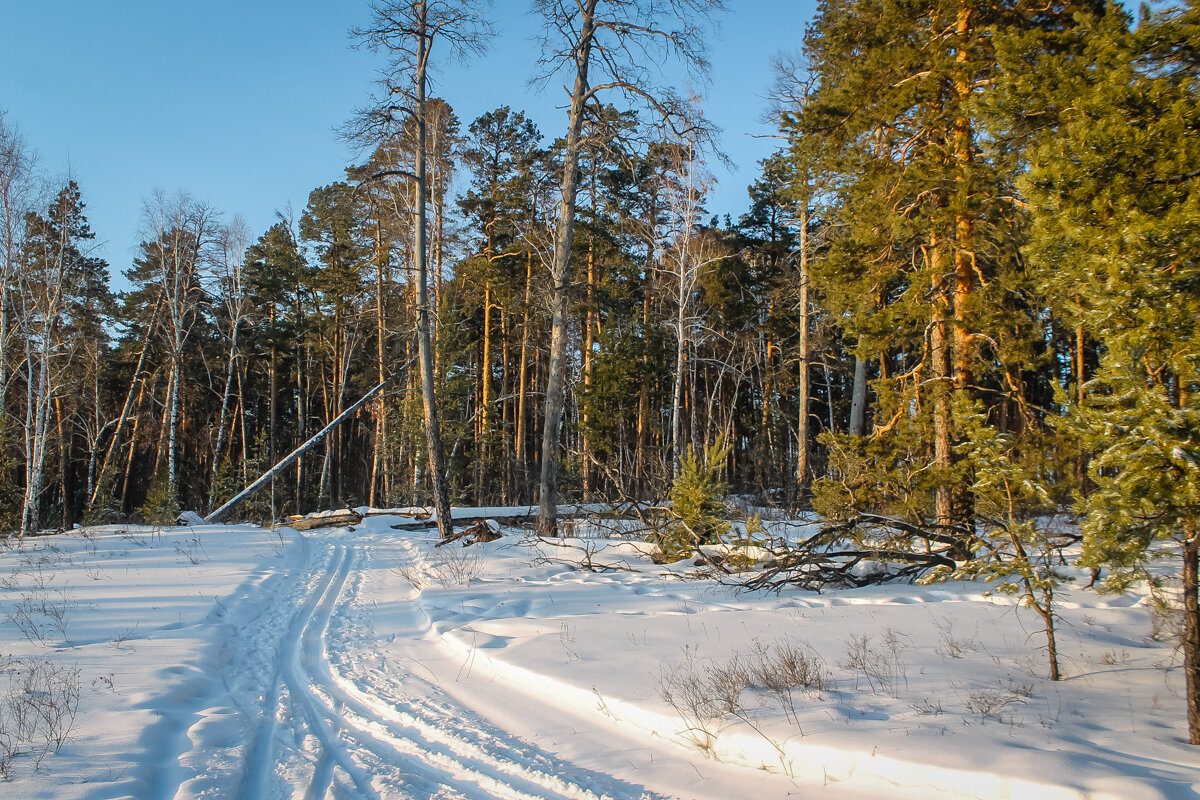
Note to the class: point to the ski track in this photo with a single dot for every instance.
(337, 727)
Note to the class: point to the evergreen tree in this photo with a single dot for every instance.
(1115, 189)
(62, 302)
(503, 152)
(331, 225)
(278, 277)
(927, 268)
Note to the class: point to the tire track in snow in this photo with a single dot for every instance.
(363, 736)
(262, 753)
(468, 755)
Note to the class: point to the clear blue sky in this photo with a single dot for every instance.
(235, 101)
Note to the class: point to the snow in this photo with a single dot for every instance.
(244, 662)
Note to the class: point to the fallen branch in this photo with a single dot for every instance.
(482, 531)
(834, 557)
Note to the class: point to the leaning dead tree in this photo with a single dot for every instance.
(864, 550)
(223, 513)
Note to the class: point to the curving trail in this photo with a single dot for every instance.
(331, 721)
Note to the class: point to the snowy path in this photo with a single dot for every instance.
(331, 725)
(237, 662)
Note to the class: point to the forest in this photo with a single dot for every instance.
(963, 293)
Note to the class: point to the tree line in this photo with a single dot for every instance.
(964, 292)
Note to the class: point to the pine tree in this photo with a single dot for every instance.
(406, 31)
(697, 510)
(330, 224)
(62, 301)
(926, 269)
(1116, 197)
(277, 278)
(504, 153)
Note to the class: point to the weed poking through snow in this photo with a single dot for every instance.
(37, 710)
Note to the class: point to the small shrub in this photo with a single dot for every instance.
(684, 688)
(951, 645)
(1166, 616)
(989, 703)
(784, 667)
(927, 707)
(881, 665)
(1112, 658)
(162, 502)
(37, 710)
(35, 616)
(192, 550)
(703, 694)
(447, 567)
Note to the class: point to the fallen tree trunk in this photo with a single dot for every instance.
(337, 519)
(463, 521)
(507, 520)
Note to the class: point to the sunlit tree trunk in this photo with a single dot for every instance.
(803, 475)
(547, 522)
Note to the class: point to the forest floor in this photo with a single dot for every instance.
(240, 662)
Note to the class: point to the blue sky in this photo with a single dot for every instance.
(236, 101)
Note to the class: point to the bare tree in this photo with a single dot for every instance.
(52, 280)
(228, 275)
(16, 187)
(687, 253)
(407, 31)
(179, 232)
(794, 85)
(603, 47)
(39, 301)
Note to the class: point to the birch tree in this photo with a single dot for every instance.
(54, 283)
(180, 231)
(232, 291)
(687, 253)
(16, 185)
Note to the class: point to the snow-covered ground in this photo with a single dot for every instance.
(236, 662)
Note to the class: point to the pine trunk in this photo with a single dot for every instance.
(485, 396)
(802, 448)
(643, 417)
(433, 433)
(939, 347)
(1191, 627)
(523, 383)
(547, 522)
(588, 343)
(858, 403)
